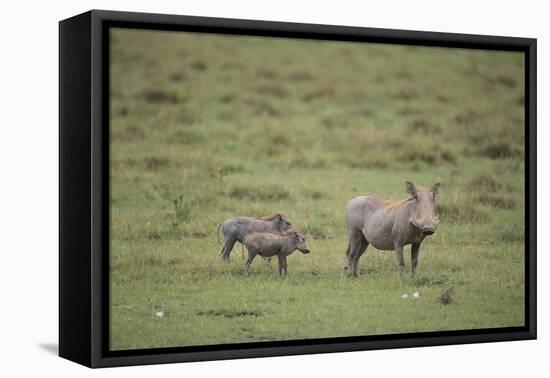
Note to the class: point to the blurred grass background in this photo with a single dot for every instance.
(205, 127)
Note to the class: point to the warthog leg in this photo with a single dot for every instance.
(249, 260)
(357, 246)
(362, 247)
(283, 266)
(400, 259)
(415, 250)
(360, 251)
(353, 237)
(226, 249)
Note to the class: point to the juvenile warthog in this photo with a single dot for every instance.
(280, 245)
(390, 225)
(236, 229)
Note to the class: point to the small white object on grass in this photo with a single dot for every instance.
(160, 314)
(416, 294)
(405, 296)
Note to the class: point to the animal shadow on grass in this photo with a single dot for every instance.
(369, 270)
(240, 273)
(438, 280)
(228, 313)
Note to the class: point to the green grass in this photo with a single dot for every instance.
(205, 127)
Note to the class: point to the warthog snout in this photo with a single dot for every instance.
(428, 230)
(302, 247)
(423, 216)
(301, 243)
(427, 227)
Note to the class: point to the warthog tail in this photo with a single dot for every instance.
(218, 232)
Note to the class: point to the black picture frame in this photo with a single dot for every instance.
(84, 187)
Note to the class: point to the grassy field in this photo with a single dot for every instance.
(205, 127)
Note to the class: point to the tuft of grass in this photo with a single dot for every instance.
(521, 100)
(406, 94)
(265, 193)
(266, 74)
(153, 260)
(153, 235)
(315, 231)
(497, 201)
(228, 98)
(261, 107)
(514, 235)
(334, 120)
(199, 66)
(182, 211)
(177, 77)
(313, 194)
(154, 163)
(464, 212)
(506, 81)
(425, 156)
(365, 163)
(185, 136)
(222, 171)
(154, 96)
(307, 163)
(272, 90)
(300, 76)
(499, 150)
(438, 280)
(448, 156)
(130, 133)
(424, 127)
(486, 182)
(468, 118)
(280, 140)
(318, 94)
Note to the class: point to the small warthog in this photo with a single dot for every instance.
(280, 245)
(390, 225)
(236, 229)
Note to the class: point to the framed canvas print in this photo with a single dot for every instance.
(234, 188)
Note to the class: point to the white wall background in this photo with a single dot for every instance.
(29, 186)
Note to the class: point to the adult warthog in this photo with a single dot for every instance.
(390, 225)
(236, 229)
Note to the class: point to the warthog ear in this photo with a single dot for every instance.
(410, 188)
(435, 189)
(280, 217)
